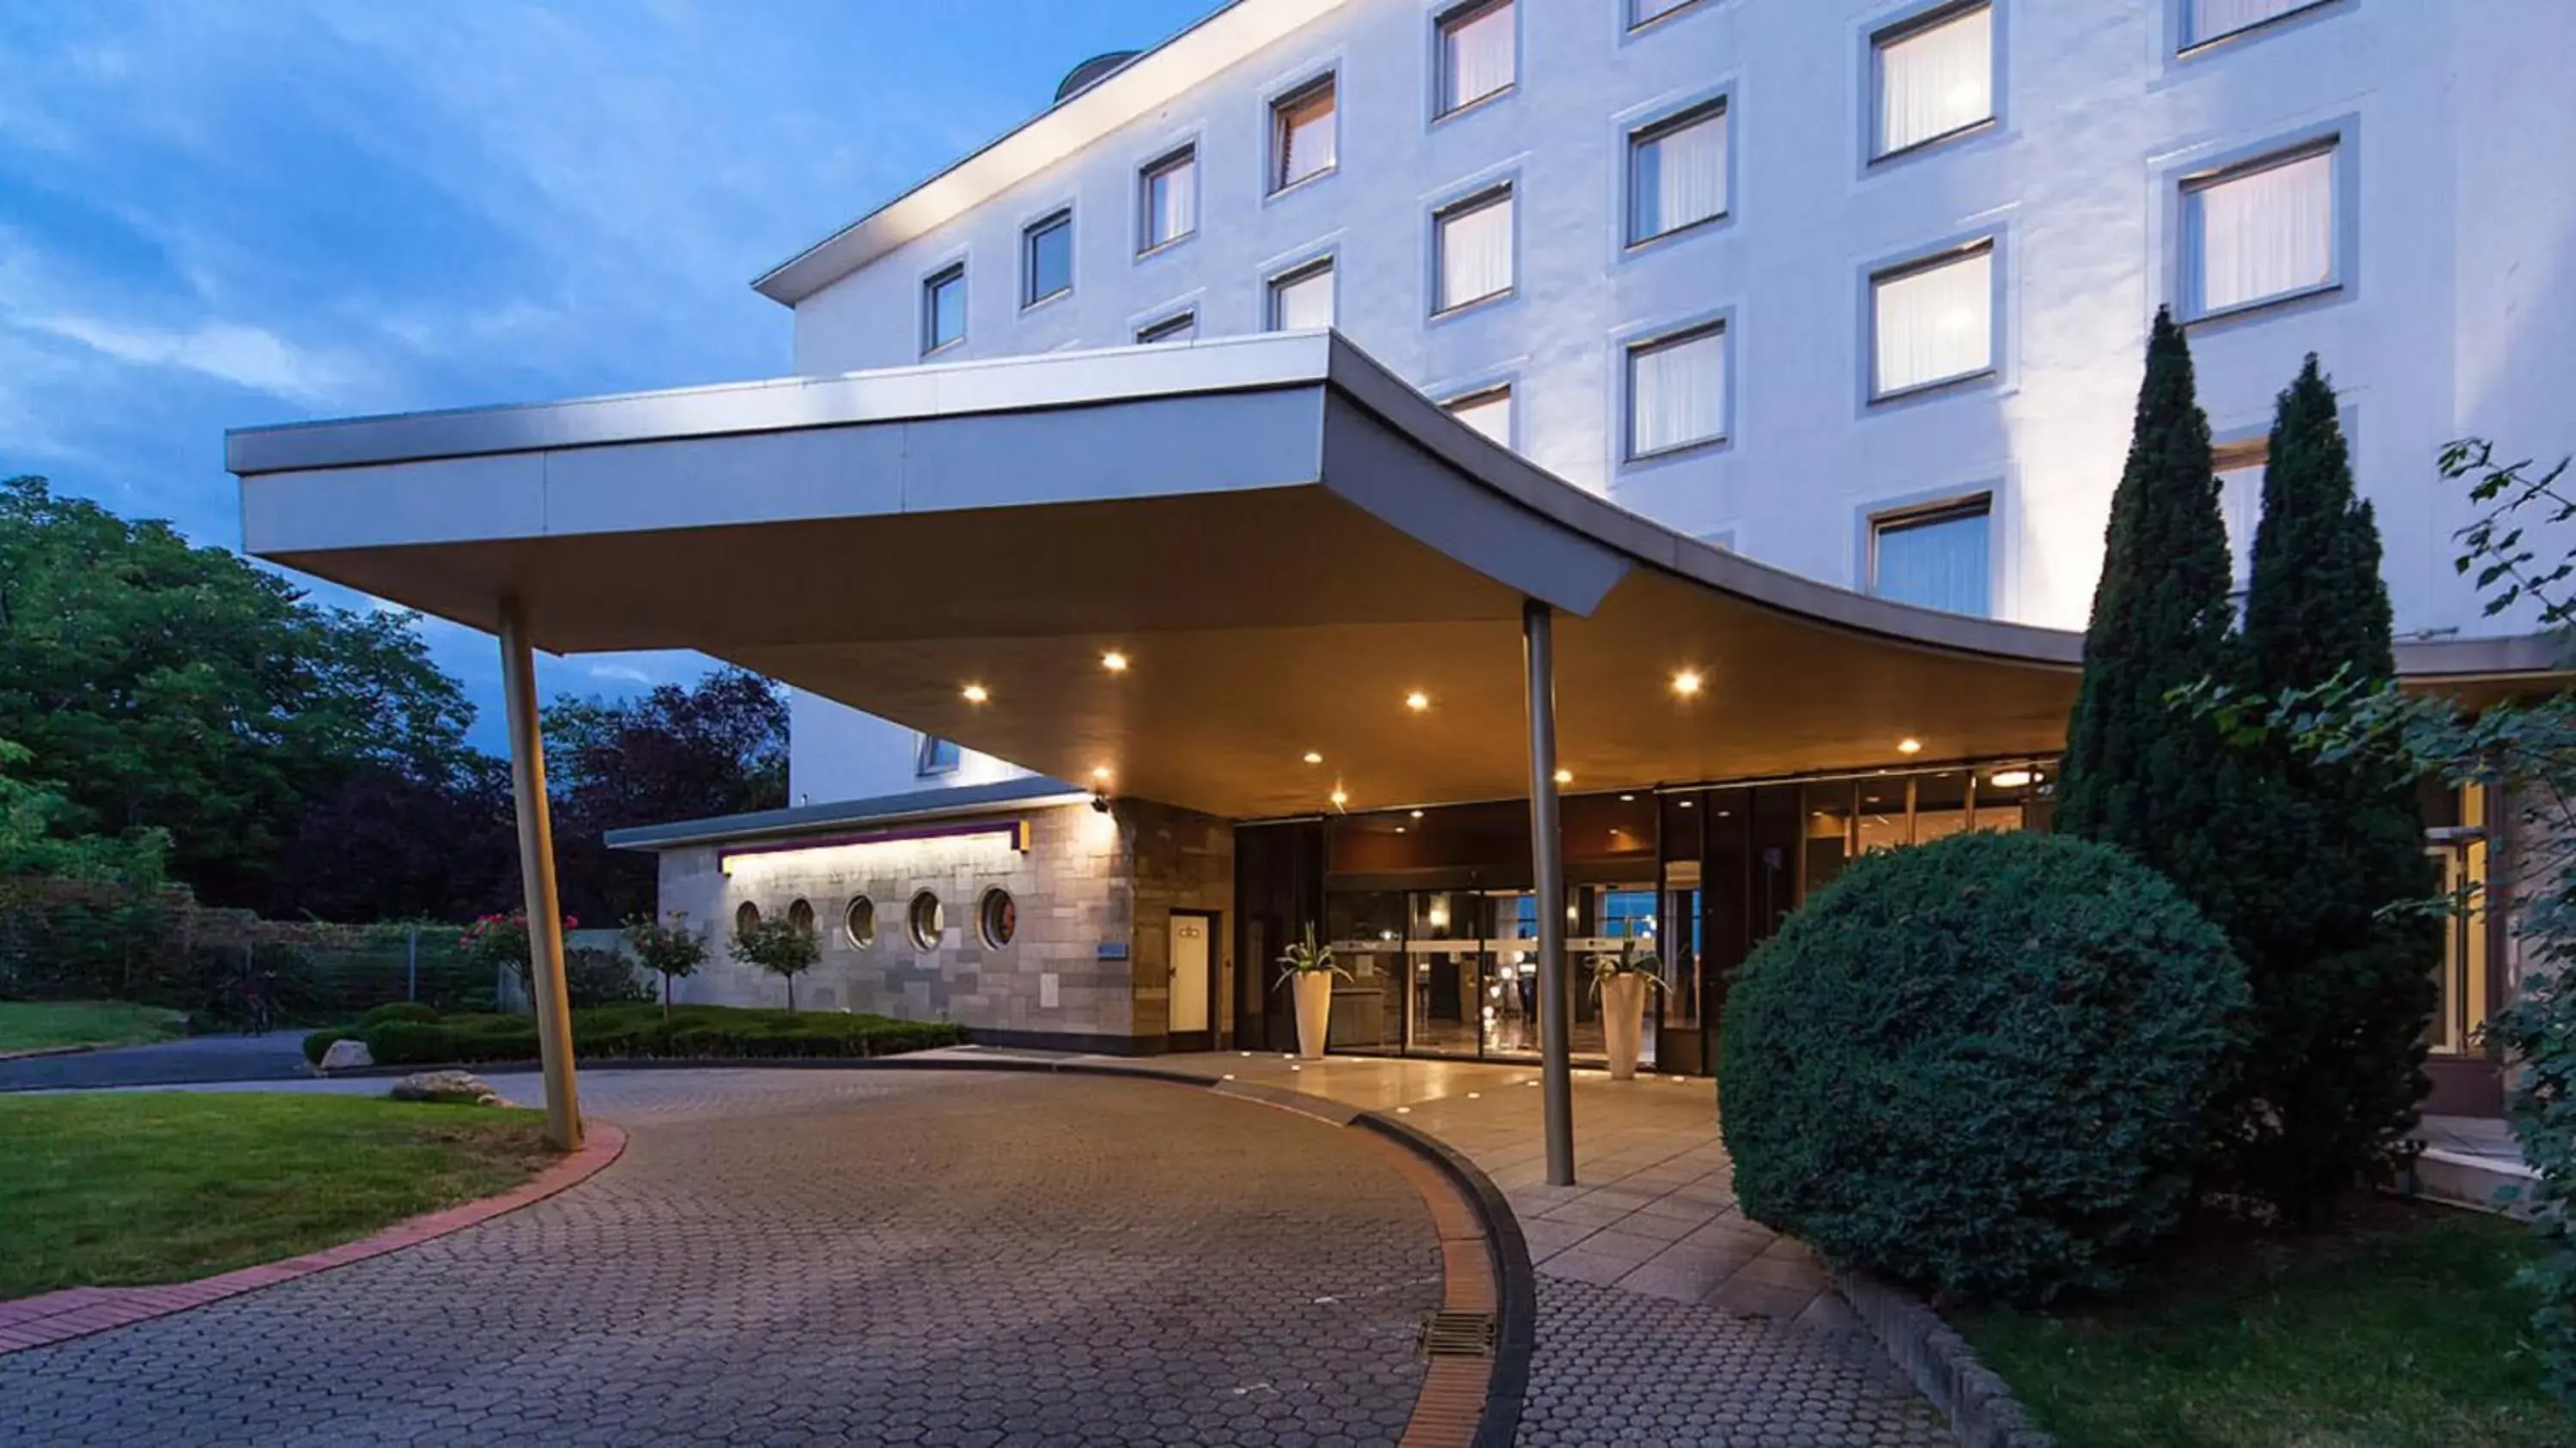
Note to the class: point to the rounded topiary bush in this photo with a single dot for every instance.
(1981, 1066)
(397, 1011)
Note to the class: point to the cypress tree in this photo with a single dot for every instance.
(2154, 780)
(2343, 990)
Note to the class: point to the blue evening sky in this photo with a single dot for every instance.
(217, 213)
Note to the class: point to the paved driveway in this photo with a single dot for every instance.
(279, 1055)
(826, 1257)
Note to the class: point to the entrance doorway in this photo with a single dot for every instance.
(1192, 958)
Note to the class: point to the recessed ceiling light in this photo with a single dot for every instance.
(1417, 814)
(1114, 661)
(1313, 758)
(1627, 799)
(1686, 683)
(1909, 746)
(976, 694)
(1565, 776)
(2010, 778)
(1399, 829)
(1417, 701)
(1686, 804)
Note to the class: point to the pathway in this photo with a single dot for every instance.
(279, 1055)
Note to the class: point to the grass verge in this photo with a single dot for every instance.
(36, 1025)
(136, 1188)
(2406, 1329)
(639, 1030)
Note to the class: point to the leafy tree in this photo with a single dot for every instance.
(35, 838)
(185, 689)
(783, 947)
(387, 843)
(715, 748)
(2343, 986)
(2137, 774)
(671, 951)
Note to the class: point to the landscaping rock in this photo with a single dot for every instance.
(346, 1056)
(446, 1086)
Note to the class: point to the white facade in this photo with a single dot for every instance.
(2441, 306)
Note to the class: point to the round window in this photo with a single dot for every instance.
(927, 920)
(998, 917)
(745, 917)
(801, 915)
(859, 922)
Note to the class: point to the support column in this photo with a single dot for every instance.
(1538, 658)
(537, 879)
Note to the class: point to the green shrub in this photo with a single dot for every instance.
(595, 977)
(397, 1011)
(319, 1043)
(1982, 1066)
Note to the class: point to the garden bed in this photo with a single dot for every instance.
(640, 1031)
(2404, 1328)
(128, 1189)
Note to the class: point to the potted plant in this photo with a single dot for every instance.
(1308, 969)
(1621, 981)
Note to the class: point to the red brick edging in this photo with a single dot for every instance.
(79, 1311)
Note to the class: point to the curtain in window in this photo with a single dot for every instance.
(1172, 202)
(1676, 393)
(1936, 80)
(2240, 503)
(1476, 55)
(1489, 413)
(1304, 302)
(1306, 137)
(1679, 177)
(1475, 252)
(1935, 323)
(2211, 19)
(2266, 233)
(1938, 563)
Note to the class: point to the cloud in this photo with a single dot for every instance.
(245, 356)
(620, 673)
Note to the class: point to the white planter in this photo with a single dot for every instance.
(1314, 990)
(1623, 1020)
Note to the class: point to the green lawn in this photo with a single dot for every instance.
(134, 1188)
(2404, 1332)
(34, 1025)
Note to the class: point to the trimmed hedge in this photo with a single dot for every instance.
(1982, 1066)
(626, 1032)
(397, 1011)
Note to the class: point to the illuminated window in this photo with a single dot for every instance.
(1304, 139)
(1472, 255)
(1488, 411)
(1677, 172)
(1935, 557)
(1479, 53)
(1302, 299)
(1168, 193)
(1677, 391)
(2261, 231)
(2208, 20)
(1935, 77)
(1932, 321)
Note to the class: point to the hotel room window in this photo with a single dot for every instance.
(1047, 267)
(1935, 77)
(1935, 557)
(943, 308)
(1304, 142)
(1487, 410)
(2260, 232)
(1677, 173)
(1677, 391)
(1479, 53)
(1168, 195)
(1472, 258)
(1301, 299)
(1932, 321)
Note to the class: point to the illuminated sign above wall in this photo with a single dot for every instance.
(849, 850)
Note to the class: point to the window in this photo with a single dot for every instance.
(1302, 299)
(1047, 266)
(2208, 20)
(1677, 173)
(2239, 467)
(1932, 321)
(801, 915)
(859, 923)
(935, 756)
(1647, 12)
(943, 308)
(1488, 411)
(1935, 77)
(997, 918)
(1479, 53)
(1178, 327)
(746, 917)
(1934, 557)
(926, 921)
(2260, 232)
(1168, 194)
(1677, 391)
(1472, 255)
(1302, 135)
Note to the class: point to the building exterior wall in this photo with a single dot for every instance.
(1085, 968)
(835, 752)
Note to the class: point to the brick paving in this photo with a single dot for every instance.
(796, 1257)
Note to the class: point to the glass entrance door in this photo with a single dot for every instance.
(1444, 958)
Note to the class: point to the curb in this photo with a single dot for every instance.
(1941, 1365)
(41, 1052)
(52, 1317)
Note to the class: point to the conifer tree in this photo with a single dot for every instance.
(2139, 773)
(2343, 988)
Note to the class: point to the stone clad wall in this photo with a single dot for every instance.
(1073, 896)
(1182, 860)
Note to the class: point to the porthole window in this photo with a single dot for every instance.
(997, 918)
(745, 916)
(859, 922)
(927, 920)
(801, 915)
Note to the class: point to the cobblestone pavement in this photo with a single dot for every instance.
(1618, 1367)
(822, 1257)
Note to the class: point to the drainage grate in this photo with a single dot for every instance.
(1458, 1334)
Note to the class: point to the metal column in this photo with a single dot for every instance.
(537, 878)
(1538, 657)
